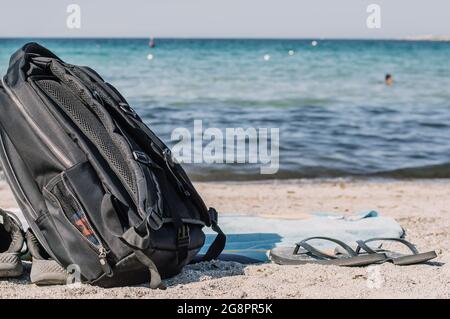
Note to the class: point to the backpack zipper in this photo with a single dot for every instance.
(102, 251)
(47, 141)
(104, 262)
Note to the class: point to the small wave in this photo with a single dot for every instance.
(251, 103)
(440, 171)
(428, 171)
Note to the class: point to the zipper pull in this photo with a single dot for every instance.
(104, 262)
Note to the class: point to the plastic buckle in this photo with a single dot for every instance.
(183, 238)
(154, 220)
(141, 157)
(127, 109)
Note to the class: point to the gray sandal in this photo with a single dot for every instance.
(11, 243)
(397, 258)
(304, 253)
(44, 270)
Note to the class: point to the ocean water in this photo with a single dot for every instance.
(335, 115)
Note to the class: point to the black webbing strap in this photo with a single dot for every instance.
(219, 242)
(155, 278)
(137, 242)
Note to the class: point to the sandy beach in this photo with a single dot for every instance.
(421, 207)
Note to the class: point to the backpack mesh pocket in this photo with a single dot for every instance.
(92, 128)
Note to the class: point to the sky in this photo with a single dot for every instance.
(224, 18)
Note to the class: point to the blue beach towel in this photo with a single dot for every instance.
(254, 236)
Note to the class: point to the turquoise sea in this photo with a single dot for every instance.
(335, 114)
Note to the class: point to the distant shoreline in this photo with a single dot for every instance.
(430, 38)
(438, 38)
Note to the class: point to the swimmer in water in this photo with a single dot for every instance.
(388, 79)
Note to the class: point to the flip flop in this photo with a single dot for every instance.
(397, 258)
(304, 253)
(11, 243)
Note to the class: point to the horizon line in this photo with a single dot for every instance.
(407, 38)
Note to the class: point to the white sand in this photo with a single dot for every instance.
(421, 207)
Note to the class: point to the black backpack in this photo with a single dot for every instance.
(98, 188)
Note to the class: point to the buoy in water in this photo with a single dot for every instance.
(151, 43)
(314, 43)
(291, 52)
(266, 57)
(150, 56)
